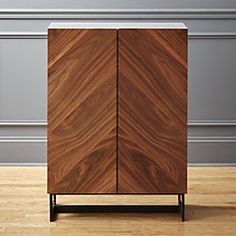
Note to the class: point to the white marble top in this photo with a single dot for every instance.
(121, 25)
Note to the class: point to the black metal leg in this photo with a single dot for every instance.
(183, 210)
(57, 208)
(181, 202)
(52, 203)
(54, 199)
(179, 199)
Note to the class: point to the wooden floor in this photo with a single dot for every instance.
(210, 209)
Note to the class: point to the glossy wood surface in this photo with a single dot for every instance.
(82, 111)
(210, 207)
(152, 111)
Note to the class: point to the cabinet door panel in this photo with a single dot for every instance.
(82, 110)
(152, 111)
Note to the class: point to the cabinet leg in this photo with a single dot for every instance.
(54, 208)
(52, 203)
(181, 202)
(54, 199)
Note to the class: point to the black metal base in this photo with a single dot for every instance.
(56, 208)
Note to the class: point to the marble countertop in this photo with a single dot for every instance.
(117, 25)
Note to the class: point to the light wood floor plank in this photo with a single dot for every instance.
(210, 209)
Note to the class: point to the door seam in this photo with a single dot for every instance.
(117, 108)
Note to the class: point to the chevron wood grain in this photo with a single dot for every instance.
(152, 111)
(82, 110)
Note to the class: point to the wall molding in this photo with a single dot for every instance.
(113, 14)
(23, 35)
(191, 139)
(23, 123)
(43, 35)
(212, 139)
(43, 139)
(211, 164)
(43, 164)
(190, 123)
(23, 139)
(33, 164)
(200, 123)
(212, 35)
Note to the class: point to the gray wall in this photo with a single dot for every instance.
(212, 69)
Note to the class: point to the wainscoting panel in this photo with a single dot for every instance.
(212, 71)
(31, 150)
(23, 84)
(212, 79)
(220, 152)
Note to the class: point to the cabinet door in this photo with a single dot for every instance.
(82, 110)
(152, 111)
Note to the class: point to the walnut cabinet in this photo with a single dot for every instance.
(117, 108)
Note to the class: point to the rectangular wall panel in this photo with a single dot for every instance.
(212, 73)
(82, 111)
(219, 149)
(152, 111)
(23, 82)
(23, 151)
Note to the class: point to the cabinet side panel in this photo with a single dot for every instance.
(82, 110)
(152, 105)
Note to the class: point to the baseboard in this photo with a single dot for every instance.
(22, 164)
(211, 164)
(189, 164)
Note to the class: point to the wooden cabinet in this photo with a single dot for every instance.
(117, 108)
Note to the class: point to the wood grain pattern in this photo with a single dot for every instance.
(82, 111)
(152, 121)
